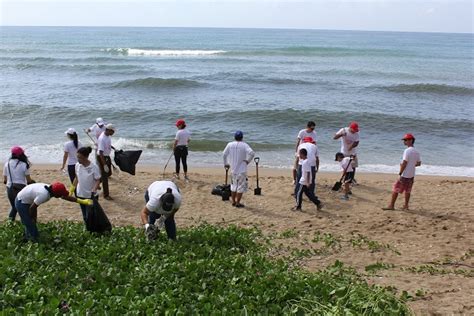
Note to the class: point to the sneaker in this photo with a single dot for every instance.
(319, 206)
(296, 209)
(186, 178)
(176, 176)
(345, 198)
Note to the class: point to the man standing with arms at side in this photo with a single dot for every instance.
(104, 147)
(411, 159)
(349, 141)
(237, 155)
(307, 132)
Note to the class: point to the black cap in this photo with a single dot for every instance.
(167, 200)
(341, 155)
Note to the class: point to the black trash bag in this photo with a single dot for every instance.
(126, 160)
(97, 221)
(222, 190)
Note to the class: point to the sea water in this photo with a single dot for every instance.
(267, 83)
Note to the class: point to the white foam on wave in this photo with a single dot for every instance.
(157, 152)
(162, 52)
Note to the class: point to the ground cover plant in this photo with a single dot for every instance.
(209, 270)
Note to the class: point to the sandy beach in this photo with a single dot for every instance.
(427, 251)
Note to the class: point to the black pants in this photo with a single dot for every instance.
(180, 154)
(71, 170)
(12, 192)
(309, 193)
(105, 175)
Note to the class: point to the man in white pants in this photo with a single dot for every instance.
(237, 155)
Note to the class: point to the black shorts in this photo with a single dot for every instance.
(349, 177)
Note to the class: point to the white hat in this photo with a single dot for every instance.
(70, 131)
(100, 121)
(110, 126)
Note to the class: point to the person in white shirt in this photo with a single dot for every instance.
(87, 179)
(305, 182)
(180, 148)
(16, 175)
(32, 196)
(410, 160)
(97, 129)
(313, 157)
(70, 151)
(307, 132)
(237, 155)
(349, 141)
(163, 200)
(104, 148)
(347, 173)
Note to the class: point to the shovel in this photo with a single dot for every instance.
(225, 190)
(257, 190)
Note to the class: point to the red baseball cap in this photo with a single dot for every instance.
(58, 189)
(354, 126)
(408, 136)
(17, 151)
(308, 139)
(180, 122)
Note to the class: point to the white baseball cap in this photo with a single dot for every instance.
(110, 126)
(70, 131)
(100, 121)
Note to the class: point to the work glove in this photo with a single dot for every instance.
(86, 202)
(151, 232)
(161, 222)
(106, 169)
(71, 190)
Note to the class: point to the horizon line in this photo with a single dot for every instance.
(243, 28)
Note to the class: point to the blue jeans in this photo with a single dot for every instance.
(31, 230)
(170, 224)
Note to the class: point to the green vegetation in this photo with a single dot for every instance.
(209, 270)
(374, 268)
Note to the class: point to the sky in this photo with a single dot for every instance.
(452, 16)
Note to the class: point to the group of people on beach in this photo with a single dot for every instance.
(163, 198)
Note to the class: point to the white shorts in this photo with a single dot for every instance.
(239, 182)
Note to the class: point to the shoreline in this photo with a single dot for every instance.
(263, 171)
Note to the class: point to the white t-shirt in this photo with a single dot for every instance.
(411, 156)
(156, 190)
(104, 143)
(304, 133)
(312, 151)
(234, 155)
(305, 168)
(34, 193)
(347, 139)
(182, 136)
(19, 171)
(344, 162)
(86, 178)
(97, 130)
(71, 151)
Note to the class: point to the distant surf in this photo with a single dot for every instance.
(430, 88)
(152, 82)
(161, 52)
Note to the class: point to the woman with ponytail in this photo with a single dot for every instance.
(70, 150)
(87, 179)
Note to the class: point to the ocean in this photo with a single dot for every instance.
(266, 82)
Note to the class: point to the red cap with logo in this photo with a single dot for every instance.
(408, 136)
(58, 189)
(354, 126)
(308, 139)
(180, 122)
